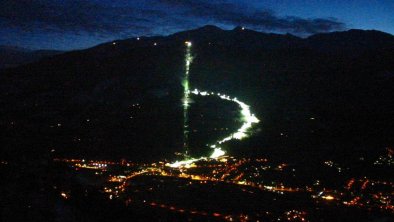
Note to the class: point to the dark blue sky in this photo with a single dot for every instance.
(73, 24)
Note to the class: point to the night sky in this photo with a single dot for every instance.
(74, 24)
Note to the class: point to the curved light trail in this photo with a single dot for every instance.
(248, 118)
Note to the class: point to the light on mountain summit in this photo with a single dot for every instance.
(188, 43)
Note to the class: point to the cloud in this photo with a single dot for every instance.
(63, 22)
(232, 14)
(73, 16)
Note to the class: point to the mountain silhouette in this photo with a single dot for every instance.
(342, 80)
(11, 56)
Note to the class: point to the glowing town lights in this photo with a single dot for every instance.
(328, 197)
(138, 38)
(64, 195)
(188, 44)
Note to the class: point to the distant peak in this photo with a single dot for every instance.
(239, 28)
(352, 32)
(210, 28)
(14, 48)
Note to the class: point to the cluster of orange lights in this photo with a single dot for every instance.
(295, 215)
(228, 172)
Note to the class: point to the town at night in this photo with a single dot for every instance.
(167, 110)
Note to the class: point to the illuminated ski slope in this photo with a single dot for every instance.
(186, 95)
(248, 118)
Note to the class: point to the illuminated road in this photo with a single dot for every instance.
(248, 118)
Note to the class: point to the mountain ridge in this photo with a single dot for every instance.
(286, 79)
(12, 56)
(355, 41)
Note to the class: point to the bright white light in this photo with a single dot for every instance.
(188, 43)
(184, 163)
(218, 152)
(239, 135)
